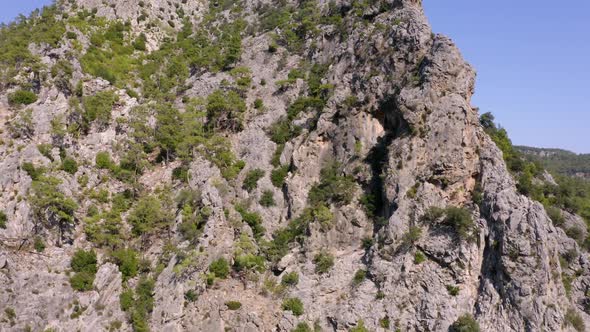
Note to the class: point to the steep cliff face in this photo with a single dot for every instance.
(332, 158)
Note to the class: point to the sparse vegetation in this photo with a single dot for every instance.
(333, 187)
(253, 219)
(323, 262)
(453, 290)
(267, 199)
(127, 261)
(251, 179)
(360, 327)
(103, 161)
(84, 263)
(233, 305)
(147, 216)
(294, 305)
(219, 268)
(419, 257)
(225, 110)
(302, 327)
(278, 176)
(465, 323)
(458, 218)
(412, 236)
(39, 244)
(359, 277)
(21, 97)
(98, 108)
(290, 279)
(573, 319)
(3, 220)
(69, 165)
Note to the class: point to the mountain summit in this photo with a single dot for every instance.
(266, 166)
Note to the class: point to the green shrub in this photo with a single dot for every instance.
(575, 233)
(39, 244)
(144, 304)
(147, 216)
(360, 327)
(22, 97)
(45, 150)
(276, 157)
(267, 199)
(460, 219)
(453, 290)
(233, 305)
(283, 130)
(412, 236)
(99, 107)
(290, 279)
(367, 242)
(103, 160)
(333, 187)
(249, 262)
(126, 299)
(573, 319)
(294, 305)
(140, 43)
(3, 220)
(433, 213)
(82, 281)
(181, 173)
(380, 295)
(254, 220)
(555, 215)
(258, 104)
(385, 323)
(465, 323)
(50, 206)
(323, 262)
(412, 192)
(127, 261)
(69, 165)
(302, 327)
(251, 179)
(10, 313)
(220, 268)
(225, 110)
(419, 257)
(191, 295)
(278, 176)
(359, 277)
(34, 172)
(84, 261)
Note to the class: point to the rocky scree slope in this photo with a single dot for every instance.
(262, 166)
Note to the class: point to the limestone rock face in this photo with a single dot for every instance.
(397, 121)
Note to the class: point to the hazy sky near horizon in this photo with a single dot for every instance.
(531, 58)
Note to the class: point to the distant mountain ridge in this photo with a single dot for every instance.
(560, 161)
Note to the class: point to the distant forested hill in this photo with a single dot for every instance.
(560, 161)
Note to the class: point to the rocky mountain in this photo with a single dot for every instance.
(267, 165)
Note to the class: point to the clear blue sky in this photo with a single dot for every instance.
(533, 64)
(532, 59)
(11, 8)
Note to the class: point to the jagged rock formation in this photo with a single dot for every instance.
(395, 122)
